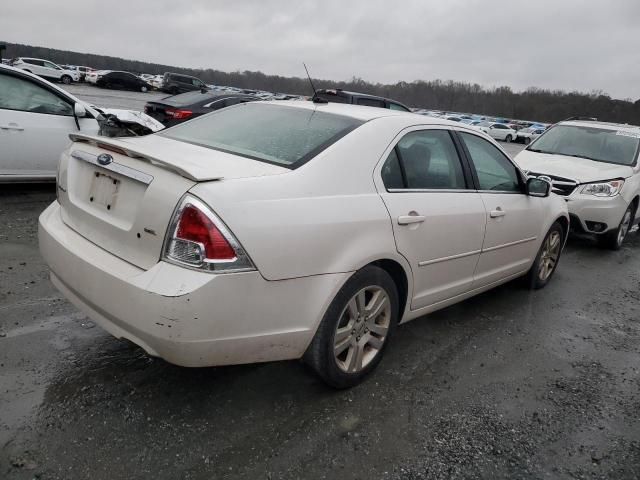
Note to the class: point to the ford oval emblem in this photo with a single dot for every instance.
(105, 159)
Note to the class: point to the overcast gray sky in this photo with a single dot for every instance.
(566, 44)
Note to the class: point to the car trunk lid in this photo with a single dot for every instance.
(121, 194)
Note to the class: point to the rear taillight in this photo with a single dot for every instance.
(178, 114)
(197, 238)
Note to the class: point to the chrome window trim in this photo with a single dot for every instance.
(113, 167)
(430, 190)
(502, 192)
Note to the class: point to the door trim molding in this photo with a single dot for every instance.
(510, 244)
(424, 263)
(450, 257)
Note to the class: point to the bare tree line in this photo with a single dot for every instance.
(531, 104)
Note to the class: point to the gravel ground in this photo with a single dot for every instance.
(509, 384)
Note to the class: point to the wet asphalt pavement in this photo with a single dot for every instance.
(510, 384)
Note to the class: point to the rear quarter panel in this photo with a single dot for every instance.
(324, 217)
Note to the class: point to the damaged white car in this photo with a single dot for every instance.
(36, 118)
(278, 230)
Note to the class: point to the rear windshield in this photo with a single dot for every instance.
(191, 98)
(592, 143)
(278, 134)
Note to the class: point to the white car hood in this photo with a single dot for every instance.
(132, 116)
(578, 169)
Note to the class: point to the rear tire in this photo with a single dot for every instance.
(527, 141)
(144, 89)
(547, 259)
(66, 79)
(508, 139)
(613, 240)
(356, 329)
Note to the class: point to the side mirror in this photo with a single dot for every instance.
(538, 187)
(79, 111)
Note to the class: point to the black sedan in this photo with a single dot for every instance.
(123, 81)
(176, 109)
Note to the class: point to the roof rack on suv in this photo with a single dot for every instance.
(578, 117)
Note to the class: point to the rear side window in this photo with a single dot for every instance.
(329, 97)
(425, 159)
(392, 172)
(285, 136)
(370, 102)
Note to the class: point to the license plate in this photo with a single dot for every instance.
(104, 190)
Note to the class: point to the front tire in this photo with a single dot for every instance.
(66, 79)
(144, 89)
(356, 328)
(547, 259)
(527, 141)
(508, 139)
(613, 240)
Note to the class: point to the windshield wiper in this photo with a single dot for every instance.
(537, 150)
(582, 156)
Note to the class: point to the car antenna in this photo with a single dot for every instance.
(315, 98)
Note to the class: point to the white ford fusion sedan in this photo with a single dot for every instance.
(274, 230)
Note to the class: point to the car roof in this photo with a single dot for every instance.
(337, 91)
(625, 127)
(41, 59)
(364, 113)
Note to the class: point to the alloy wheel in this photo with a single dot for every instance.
(362, 329)
(624, 227)
(550, 254)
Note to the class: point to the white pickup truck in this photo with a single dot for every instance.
(594, 165)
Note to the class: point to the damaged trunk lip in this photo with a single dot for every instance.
(97, 140)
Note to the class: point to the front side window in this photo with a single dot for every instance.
(286, 136)
(23, 95)
(425, 159)
(51, 65)
(592, 143)
(495, 171)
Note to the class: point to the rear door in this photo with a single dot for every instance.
(51, 70)
(438, 218)
(35, 123)
(513, 218)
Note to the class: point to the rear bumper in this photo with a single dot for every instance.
(187, 317)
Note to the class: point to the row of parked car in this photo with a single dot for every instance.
(498, 128)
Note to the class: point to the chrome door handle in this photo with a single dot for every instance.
(11, 126)
(409, 219)
(498, 212)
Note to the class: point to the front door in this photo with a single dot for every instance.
(438, 219)
(513, 218)
(34, 127)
